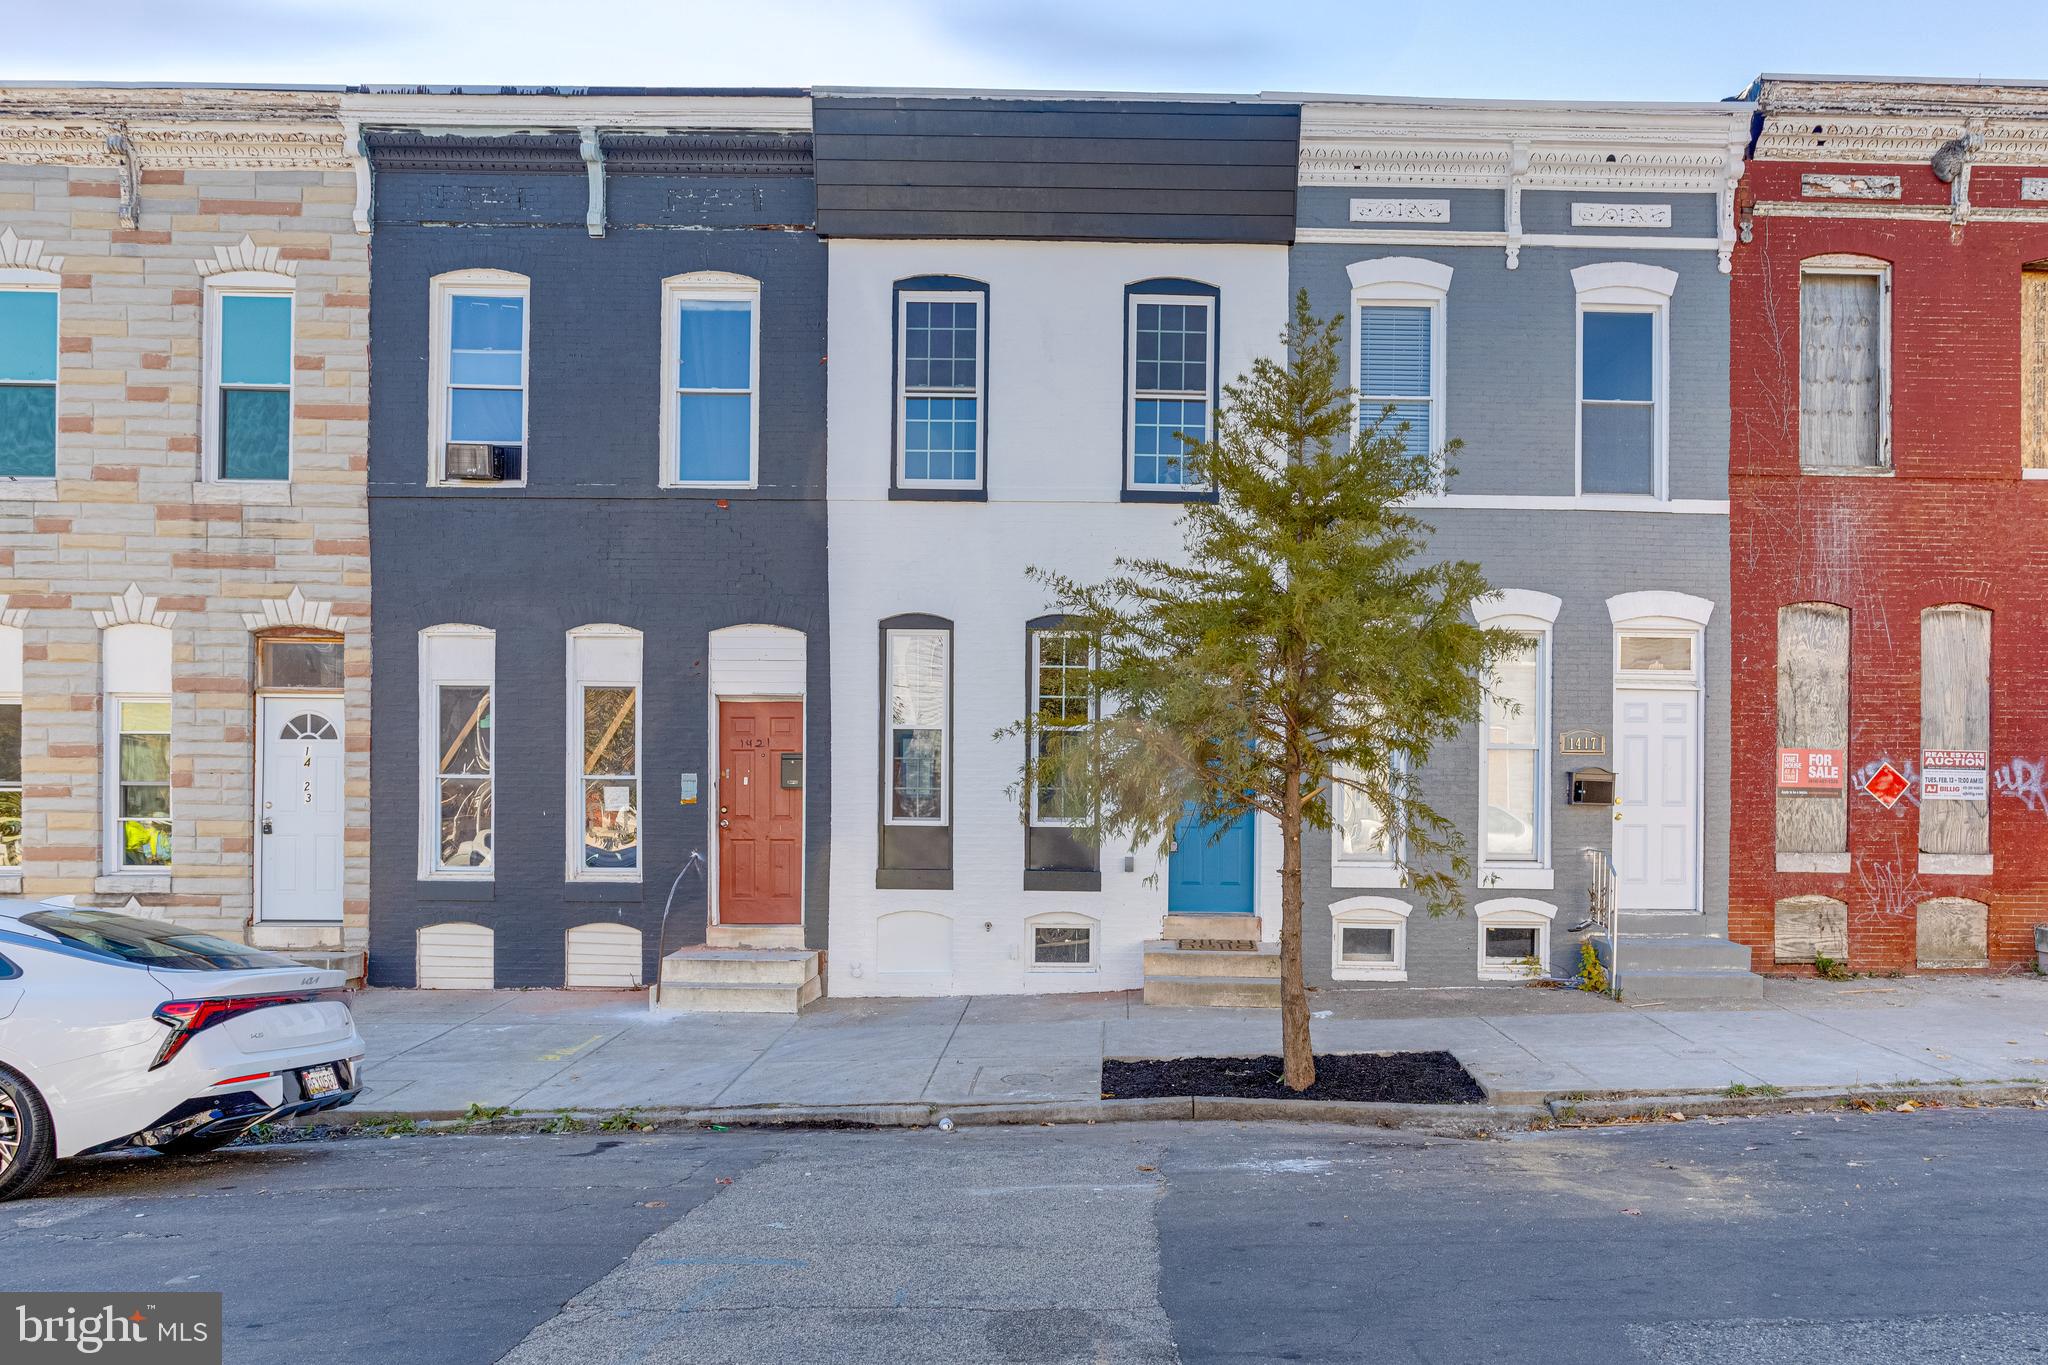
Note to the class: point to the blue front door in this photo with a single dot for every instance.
(1210, 874)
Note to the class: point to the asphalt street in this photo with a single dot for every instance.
(1813, 1238)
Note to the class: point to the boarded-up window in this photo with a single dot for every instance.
(1813, 713)
(1955, 716)
(1841, 371)
(2034, 365)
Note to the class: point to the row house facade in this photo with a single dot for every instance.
(597, 478)
(184, 554)
(1028, 298)
(1547, 285)
(1889, 480)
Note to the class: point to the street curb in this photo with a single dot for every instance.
(1883, 1098)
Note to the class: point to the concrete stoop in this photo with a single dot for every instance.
(712, 979)
(352, 963)
(1212, 960)
(1670, 967)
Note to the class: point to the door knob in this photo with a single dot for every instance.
(724, 824)
(266, 825)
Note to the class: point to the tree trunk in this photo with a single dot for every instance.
(1295, 1046)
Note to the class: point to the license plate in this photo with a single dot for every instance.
(319, 1080)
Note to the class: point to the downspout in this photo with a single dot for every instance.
(593, 164)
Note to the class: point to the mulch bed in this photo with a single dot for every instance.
(1384, 1077)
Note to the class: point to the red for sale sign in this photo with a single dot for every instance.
(1811, 770)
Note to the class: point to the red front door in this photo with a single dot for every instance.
(760, 812)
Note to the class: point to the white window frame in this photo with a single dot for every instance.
(1038, 819)
(583, 676)
(1405, 282)
(258, 284)
(11, 695)
(136, 666)
(1369, 912)
(1533, 614)
(1625, 287)
(716, 286)
(429, 761)
(1849, 263)
(32, 280)
(1133, 394)
(904, 392)
(446, 288)
(1062, 919)
(889, 728)
(1383, 871)
(1513, 912)
(116, 845)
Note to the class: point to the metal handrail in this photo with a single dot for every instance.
(1602, 912)
(696, 860)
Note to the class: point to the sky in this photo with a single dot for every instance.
(1597, 49)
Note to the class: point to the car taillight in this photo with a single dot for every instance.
(187, 1017)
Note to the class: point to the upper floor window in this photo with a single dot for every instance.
(2034, 369)
(1624, 367)
(249, 376)
(941, 384)
(916, 697)
(711, 414)
(458, 673)
(1061, 710)
(478, 362)
(28, 381)
(1398, 310)
(1171, 350)
(1844, 363)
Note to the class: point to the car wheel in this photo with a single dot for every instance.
(28, 1144)
(196, 1144)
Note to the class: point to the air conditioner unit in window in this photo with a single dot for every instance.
(481, 462)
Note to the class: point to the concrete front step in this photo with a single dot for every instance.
(1674, 952)
(754, 936)
(709, 965)
(1187, 927)
(1165, 957)
(1662, 985)
(733, 997)
(1215, 992)
(350, 962)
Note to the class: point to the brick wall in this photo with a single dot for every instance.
(128, 507)
(1953, 523)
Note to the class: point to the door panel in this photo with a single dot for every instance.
(1656, 850)
(299, 820)
(1210, 873)
(760, 829)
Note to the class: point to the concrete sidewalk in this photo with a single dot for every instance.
(433, 1053)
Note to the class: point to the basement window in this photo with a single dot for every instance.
(1062, 943)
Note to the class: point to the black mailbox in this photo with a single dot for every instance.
(1592, 787)
(792, 770)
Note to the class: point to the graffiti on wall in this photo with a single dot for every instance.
(2025, 778)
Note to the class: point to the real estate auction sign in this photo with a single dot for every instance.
(1955, 775)
(1811, 770)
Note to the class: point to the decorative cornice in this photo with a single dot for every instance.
(26, 253)
(295, 610)
(294, 145)
(246, 255)
(1822, 185)
(519, 153)
(1621, 215)
(513, 111)
(708, 153)
(1400, 210)
(1900, 122)
(131, 608)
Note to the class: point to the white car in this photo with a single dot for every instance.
(117, 1031)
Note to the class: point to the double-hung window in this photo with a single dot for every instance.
(1514, 737)
(1398, 310)
(479, 364)
(604, 753)
(1171, 326)
(941, 380)
(710, 419)
(1061, 711)
(917, 690)
(28, 381)
(1364, 844)
(249, 375)
(457, 739)
(136, 663)
(1623, 325)
(1844, 364)
(10, 746)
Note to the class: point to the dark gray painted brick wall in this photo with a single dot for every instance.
(1106, 170)
(591, 539)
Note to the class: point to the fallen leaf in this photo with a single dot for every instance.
(1148, 1168)
(725, 1180)
(1905, 1107)
(1677, 1117)
(655, 1204)
(1633, 1213)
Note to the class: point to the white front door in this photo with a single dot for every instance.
(1656, 838)
(299, 809)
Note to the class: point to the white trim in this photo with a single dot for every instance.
(1536, 873)
(1062, 919)
(1580, 241)
(1956, 864)
(538, 110)
(1813, 862)
(582, 676)
(443, 290)
(715, 286)
(1513, 912)
(258, 284)
(979, 298)
(1410, 282)
(1565, 502)
(1626, 287)
(1652, 606)
(110, 773)
(32, 279)
(429, 761)
(1132, 394)
(945, 727)
(1851, 263)
(1369, 912)
(1516, 602)
(1386, 871)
